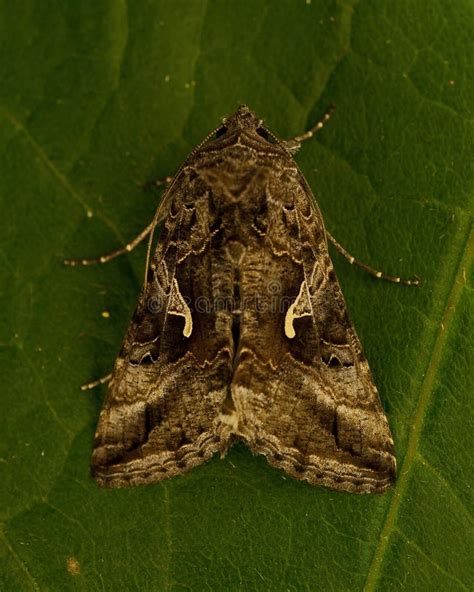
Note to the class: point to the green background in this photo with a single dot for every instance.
(98, 97)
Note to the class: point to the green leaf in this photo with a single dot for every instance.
(96, 98)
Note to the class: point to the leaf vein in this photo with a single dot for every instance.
(375, 568)
(420, 551)
(18, 560)
(446, 484)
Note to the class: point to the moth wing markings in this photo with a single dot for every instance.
(161, 412)
(321, 419)
(177, 306)
(301, 307)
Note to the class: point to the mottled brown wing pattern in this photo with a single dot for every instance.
(171, 378)
(305, 391)
(242, 333)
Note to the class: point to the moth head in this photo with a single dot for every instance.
(244, 120)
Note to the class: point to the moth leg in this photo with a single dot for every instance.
(104, 258)
(160, 215)
(91, 385)
(158, 183)
(415, 281)
(316, 127)
(294, 143)
(161, 182)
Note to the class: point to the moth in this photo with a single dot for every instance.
(241, 331)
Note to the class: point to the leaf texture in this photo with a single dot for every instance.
(98, 98)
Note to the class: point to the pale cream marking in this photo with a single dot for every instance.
(178, 307)
(303, 303)
(231, 420)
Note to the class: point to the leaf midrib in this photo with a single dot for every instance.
(467, 256)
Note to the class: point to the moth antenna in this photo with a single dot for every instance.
(316, 127)
(113, 254)
(294, 144)
(90, 385)
(380, 275)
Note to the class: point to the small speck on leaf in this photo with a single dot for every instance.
(73, 566)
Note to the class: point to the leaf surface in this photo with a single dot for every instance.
(98, 98)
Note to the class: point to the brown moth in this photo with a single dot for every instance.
(242, 332)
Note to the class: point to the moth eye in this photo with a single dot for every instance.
(221, 131)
